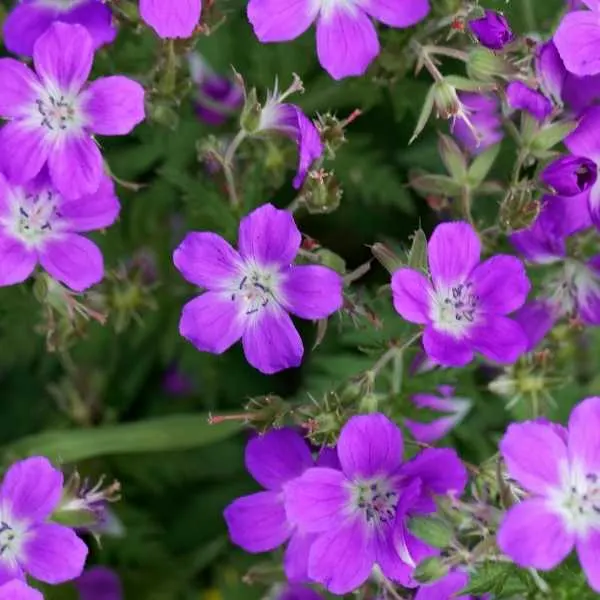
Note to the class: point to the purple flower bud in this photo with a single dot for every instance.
(570, 175)
(492, 30)
(522, 97)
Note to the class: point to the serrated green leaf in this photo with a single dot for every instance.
(481, 166)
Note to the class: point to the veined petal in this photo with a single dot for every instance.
(295, 559)
(206, 259)
(257, 523)
(281, 20)
(31, 489)
(171, 18)
(498, 338)
(411, 291)
(114, 105)
(271, 342)
(577, 39)
(389, 558)
(446, 350)
(277, 457)
(347, 41)
(588, 551)
(533, 536)
(17, 262)
(18, 91)
(25, 23)
(310, 147)
(96, 17)
(312, 291)
(370, 445)
(584, 141)
(19, 590)
(584, 445)
(315, 501)
(23, 151)
(53, 553)
(63, 57)
(445, 588)
(533, 453)
(398, 13)
(213, 322)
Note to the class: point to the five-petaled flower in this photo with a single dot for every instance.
(251, 293)
(52, 114)
(560, 468)
(464, 305)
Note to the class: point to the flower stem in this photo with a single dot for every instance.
(228, 166)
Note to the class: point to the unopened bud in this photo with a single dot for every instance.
(322, 193)
(518, 210)
(446, 100)
(332, 260)
(391, 261)
(431, 530)
(484, 65)
(430, 570)
(163, 115)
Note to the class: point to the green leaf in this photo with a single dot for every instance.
(548, 137)
(177, 432)
(417, 257)
(490, 577)
(453, 158)
(425, 114)
(482, 165)
(436, 185)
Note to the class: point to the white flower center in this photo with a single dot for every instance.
(257, 288)
(453, 310)
(12, 536)
(376, 499)
(329, 7)
(58, 112)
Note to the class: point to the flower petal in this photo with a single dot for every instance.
(536, 318)
(17, 262)
(74, 260)
(584, 444)
(315, 501)
(31, 489)
(312, 291)
(171, 18)
(577, 39)
(257, 523)
(341, 560)
(114, 105)
(498, 338)
(17, 93)
(431, 432)
(19, 590)
(281, 20)
(347, 41)
(411, 291)
(277, 457)
(584, 140)
(370, 445)
(212, 322)
(501, 284)
(398, 13)
(445, 588)
(453, 251)
(533, 536)
(23, 151)
(63, 57)
(445, 349)
(588, 550)
(206, 259)
(99, 583)
(295, 559)
(269, 236)
(310, 146)
(533, 453)
(53, 553)
(271, 342)
(412, 551)
(25, 23)
(96, 17)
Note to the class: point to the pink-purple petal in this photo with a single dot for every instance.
(588, 551)
(312, 291)
(341, 560)
(271, 342)
(17, 262)
(171, 18)
(19, 590)
(269, 236)
(73, 260)
(295, 559)
(534, 536)
(257, 523)
(25, 23)
(370, 445)
(99, 583)
(23, 151)
(445, 349)
(498, 338)
(53, 553)
(584, 140)
(584, 428)
(533, 454)
(577, 39)
(31, 489)
(315, 502)
(63, 57)
(281, 20)
(18, 93)
(212, 322)
(446, 588)
(96, 17)
(398, 13)
(388, 558)
(428, 433)
(453, 251)
(114, 105)
(310, 146)
(277, 457)
(347, 41)
(411, 292)
(207, 260)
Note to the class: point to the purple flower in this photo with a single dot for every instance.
(171, 18)
(29, 19)
(31, 490)
(217, 97)
(455, 408)
(295, 592)
(561, 471)
(99, 583)
(358, 514)
(445, 588)
(250, 293)
(522, 97)
(464, 303)
(483, 112)
(347, 40)
(53, 115)
(577, 40)
(18, 590)
(570, 175)
(39, 226)
(584, 141)
(492, 30)
(258, 522)
(537, 319)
